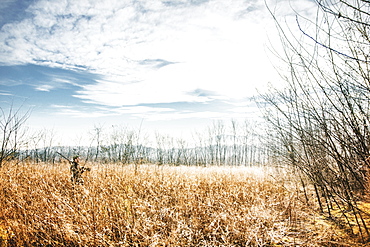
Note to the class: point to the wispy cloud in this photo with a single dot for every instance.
(77, 111)
(5, 93)
(154, 112)
(146, 52)
(45, 88)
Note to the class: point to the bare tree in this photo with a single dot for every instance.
(11, 123)
(97, 131)
(321, 118)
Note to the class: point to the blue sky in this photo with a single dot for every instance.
(170, 66)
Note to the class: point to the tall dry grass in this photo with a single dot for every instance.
(155, 206)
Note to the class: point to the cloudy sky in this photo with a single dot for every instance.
(166, 65)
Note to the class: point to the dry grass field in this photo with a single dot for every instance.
(158, 206)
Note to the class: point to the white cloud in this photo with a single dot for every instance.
(143, 110)
(147, 51)
(80, 112)
(97, 112)
(45, 88)
(5, 94)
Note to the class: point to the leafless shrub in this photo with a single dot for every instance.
(320, 120)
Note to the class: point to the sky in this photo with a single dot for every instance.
(166, 66)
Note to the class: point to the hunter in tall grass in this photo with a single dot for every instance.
(156, 206)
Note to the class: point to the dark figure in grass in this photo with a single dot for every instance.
(77, 171)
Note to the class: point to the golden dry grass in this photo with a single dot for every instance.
(157, 206)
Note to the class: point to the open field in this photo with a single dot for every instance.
(158, 206)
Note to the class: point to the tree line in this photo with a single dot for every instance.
(235, 144)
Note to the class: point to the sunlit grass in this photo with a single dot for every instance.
(156, 206)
